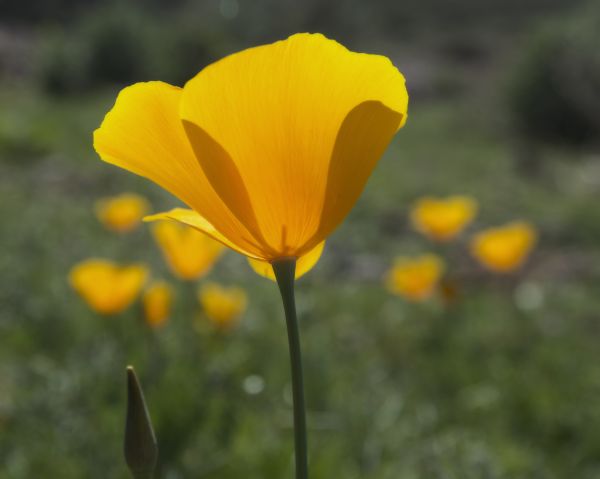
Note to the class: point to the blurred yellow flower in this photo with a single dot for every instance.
(223, 306)
(415, 278)
(304, 264)
(505, 248)
(107, 288)
(442, 219)
(270, 147)
(157, 302)
(122, 213)
(189, 253)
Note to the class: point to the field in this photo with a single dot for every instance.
(501, 380)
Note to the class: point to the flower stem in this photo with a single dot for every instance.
(285, 273)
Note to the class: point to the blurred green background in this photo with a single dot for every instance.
(502, 383)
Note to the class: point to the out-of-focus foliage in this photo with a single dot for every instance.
(117, 41)
(554, 94)
(36, 11)
(500, 382)
(121, 45)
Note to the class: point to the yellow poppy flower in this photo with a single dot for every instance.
(157, 302)
(415, 278)
(107, 287)
(189, 253)
(505, 248)
(223, 306)
(303, 265)
(442, 219)
(122, 213)
(269, 147)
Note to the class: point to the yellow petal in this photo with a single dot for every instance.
(157, 302)
(121, 213)
(441, 219)
(362, 139)
(303, 265)
(505, 248)
(189, 253)
(288, 134)
(223, 306)
(143, 134)
(225, 178)
(107, 287)
(196, 221)
(415, 278)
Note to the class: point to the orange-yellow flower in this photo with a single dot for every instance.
(189, 253)
(107, 287)
(303, 265)
(442, 219)
(122, 213)
(415, 278)
(223, 306)
(505, 248)
(269, 147)
(157, 302)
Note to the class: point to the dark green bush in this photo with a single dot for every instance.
(106, 46)
(554, 90)
(62, 65)
(120, 45)
(116, 45)
(185, 50)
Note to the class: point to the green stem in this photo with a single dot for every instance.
(285, 272)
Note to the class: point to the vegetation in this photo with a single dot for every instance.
(554, 93)
(501, 382)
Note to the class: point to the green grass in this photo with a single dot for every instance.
(485, 388)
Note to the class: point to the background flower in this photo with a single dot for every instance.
(222, 305)
(441, 219)
(415, 278)
(189, 253)
(504, 248)
(157, 301)
(122, 213)
(107, 287)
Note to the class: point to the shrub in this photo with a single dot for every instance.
(186, 49)
(61, 65)
(107, 46)
(120, 45)
(554, 90)
(116, 47)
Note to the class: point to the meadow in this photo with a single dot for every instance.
(499, 380)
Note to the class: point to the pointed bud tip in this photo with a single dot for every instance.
(141, 451)
(131, 376)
